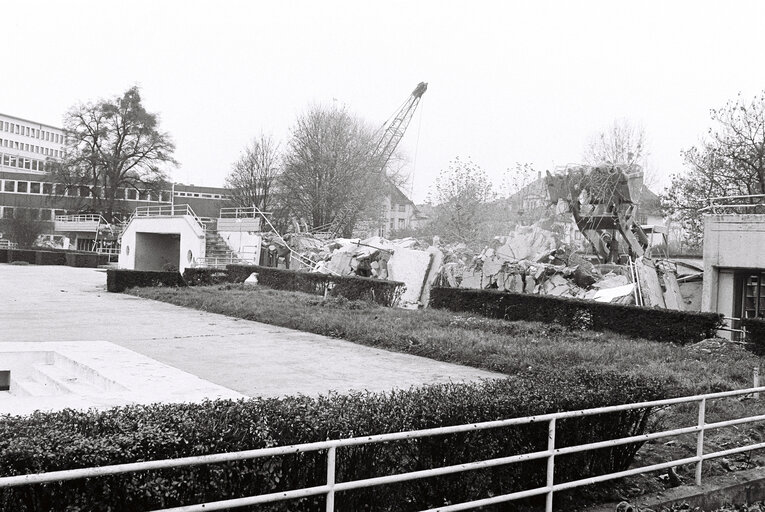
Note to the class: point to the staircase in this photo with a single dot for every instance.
(216, 247)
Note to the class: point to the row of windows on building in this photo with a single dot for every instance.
(32, 148)
(17, 162)
(31, 131)
(131, 194)
(15, 212)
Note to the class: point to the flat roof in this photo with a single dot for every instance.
(31, 122)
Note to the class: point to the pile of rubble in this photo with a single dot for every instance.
(406, 260)
(530, 259)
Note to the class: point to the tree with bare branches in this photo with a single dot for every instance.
(329, 163)
(462, 193)
(252, 180)
(729, 161)
(111, 145)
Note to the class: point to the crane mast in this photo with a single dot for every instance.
(392, 133)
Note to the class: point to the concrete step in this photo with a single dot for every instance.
(29, 385)
(65, 379)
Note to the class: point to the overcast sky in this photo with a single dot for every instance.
(508, 81)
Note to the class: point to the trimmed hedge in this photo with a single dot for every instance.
(204, 276)
(755, 333)
(649, 323)
(380, 291)
(86, 259)
(27, 255)
(71, 439)
(120, 280)
(50, 258)
(54, 257)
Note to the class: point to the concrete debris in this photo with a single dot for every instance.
(530, 259)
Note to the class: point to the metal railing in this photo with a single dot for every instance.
(84, 217)
(7, 244)
(219, 261)
(332, 486)
(177, 210)
(239, 213)
(724, 202)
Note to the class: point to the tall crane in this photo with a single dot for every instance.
(391, 134)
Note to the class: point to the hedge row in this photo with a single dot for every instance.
(52, 257)
(653, 324)
(755, 333)
(72, 439)
(380, 291)
(205, 276)
(120, 280)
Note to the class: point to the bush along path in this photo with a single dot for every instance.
(69, 439)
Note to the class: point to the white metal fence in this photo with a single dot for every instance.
(331, 487)
(239, 213)
(176, 210)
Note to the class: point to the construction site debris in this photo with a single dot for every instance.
(529, 259)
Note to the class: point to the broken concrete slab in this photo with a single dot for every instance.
(410, 267)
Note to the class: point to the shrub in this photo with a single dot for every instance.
(120, 280)
(50, 258)
(653, 324)
(755, 333)
(86, 259)
(4, 255)
(71, 439)
(380, 291)
(26, 255)
(202, 276)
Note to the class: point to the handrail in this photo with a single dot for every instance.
(239, 213)
(331, 447)
(83, 217)
(713, 202)
(176, 210)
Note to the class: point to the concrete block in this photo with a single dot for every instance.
(410, 267)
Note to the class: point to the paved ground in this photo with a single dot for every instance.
(56, 303)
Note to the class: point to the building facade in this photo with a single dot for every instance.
(28, 193)
(734, 266)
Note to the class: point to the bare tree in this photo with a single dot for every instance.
(252, 180)
(463, 192)
(622, 143)
(731, 161)
(329, 164)
(111, 145)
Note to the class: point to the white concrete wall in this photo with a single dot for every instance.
(191, 245)
(731, 242)
(245, 244)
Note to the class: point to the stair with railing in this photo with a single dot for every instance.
(217, 252)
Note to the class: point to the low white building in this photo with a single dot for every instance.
(734, 265)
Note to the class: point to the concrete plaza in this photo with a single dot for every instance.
(59, 304)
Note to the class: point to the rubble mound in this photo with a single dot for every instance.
(717, 345)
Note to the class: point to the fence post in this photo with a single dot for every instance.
(700, 439)
(331, 456)
(756, 380)
(550, 465)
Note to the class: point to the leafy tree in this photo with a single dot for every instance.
(252, 180)
(23, 230)
(729, 161)
(462, 193)
(112, 144)
(329, 165)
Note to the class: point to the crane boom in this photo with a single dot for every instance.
(392, 133)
